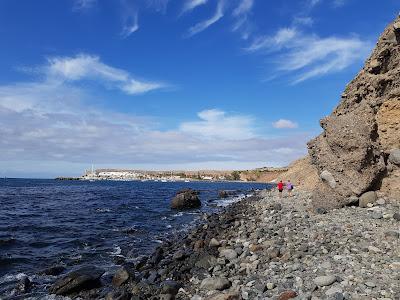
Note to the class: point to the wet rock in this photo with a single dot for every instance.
(23, 285)
(325, 280)
(215, 283)
(186, 199)
(227, 193)
(82, 279)
(120, 277)
(53, 270)
(367, 198)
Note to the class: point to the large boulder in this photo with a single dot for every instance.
(352, 153)
(84, 278)
(186, 199)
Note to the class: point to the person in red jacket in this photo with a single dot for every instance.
(280, 188)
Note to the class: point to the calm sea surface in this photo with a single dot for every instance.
(47, 222)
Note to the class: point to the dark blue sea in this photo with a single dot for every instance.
(48, 222)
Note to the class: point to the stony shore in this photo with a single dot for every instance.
(269, 248)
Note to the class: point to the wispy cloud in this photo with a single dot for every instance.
(90, 67)
(158, 5)
(199, 27)
(190, 5)
(80, 5)
(285, 124)
(130, 18)
(308, 55)
(244, 7)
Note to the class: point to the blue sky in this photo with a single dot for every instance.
(181, 84)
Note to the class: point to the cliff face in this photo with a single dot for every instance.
(352, 153)
(302, 174)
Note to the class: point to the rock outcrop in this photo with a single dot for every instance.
(359, 136)
(186, 199)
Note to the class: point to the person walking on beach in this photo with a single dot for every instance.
(280, 188)
(289, 187)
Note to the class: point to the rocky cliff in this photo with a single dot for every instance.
(358, 149)
(302, 174)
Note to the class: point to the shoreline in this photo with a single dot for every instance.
(263, 247)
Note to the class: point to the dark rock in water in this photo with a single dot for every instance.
(186, 199)
(24, 285)
(82, 279)
(53, 270)
(121, 276)
(227, 193)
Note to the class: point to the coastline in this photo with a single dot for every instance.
(268, 248)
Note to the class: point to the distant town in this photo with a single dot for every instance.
(261, 174)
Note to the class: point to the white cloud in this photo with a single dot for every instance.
(199, 27)
(192, 4)
(215, 123)
(158, 5)
(283, 123)
(244, 7)
(54, 124)
(131, 25)
(90, 67)
(83, 4)
(308, 55)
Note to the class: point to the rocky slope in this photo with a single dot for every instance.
(352, 153)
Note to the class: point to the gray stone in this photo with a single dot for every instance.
(366, 198)
(325, 280)
(370, 284)
(76, 281)
(215, 283)
(120, 277)
(328, 177)
(170, 287)
(396, 216)
(377, 215)
(214, 243)
(380, 201)
(394, 157)
(228, 253)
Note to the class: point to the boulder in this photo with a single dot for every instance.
(120, 277)
(170, 287)
(362, 130)
(84, 278)
(328, 177)
(325, 280)
(394, 157)
(186, 199)
(215, 283)
(227, 193)
(228, 253)
(366, 198)
(53, 270)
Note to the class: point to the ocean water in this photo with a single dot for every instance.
(73, 223)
